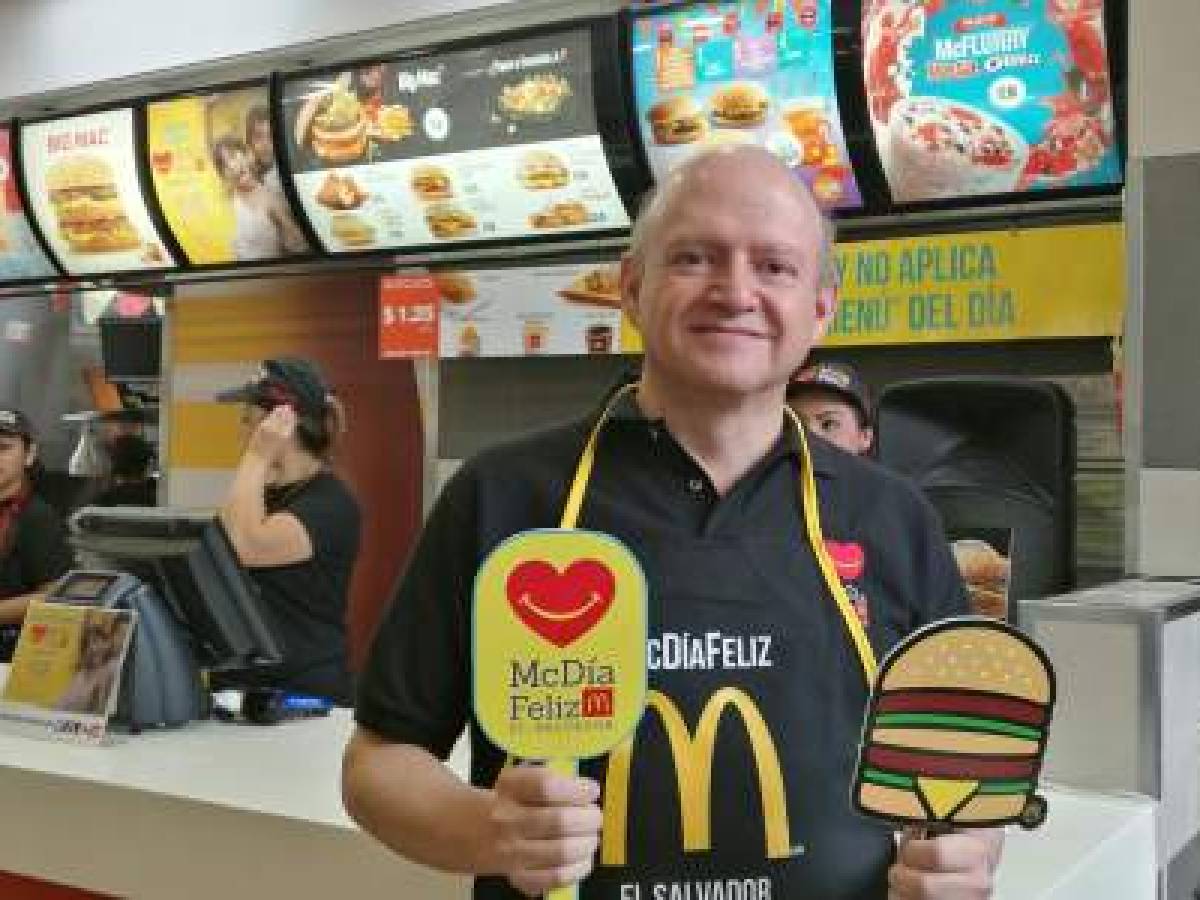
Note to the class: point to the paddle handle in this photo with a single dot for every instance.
(570, 769)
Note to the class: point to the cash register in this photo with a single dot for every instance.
(197, 608)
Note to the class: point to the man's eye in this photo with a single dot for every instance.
(778, 268)
(688, 258)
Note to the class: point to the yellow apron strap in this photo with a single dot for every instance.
(812, 523)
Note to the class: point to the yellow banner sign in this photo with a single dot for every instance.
(559, 644)
(985, 286)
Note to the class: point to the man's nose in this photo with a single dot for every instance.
(737, 285)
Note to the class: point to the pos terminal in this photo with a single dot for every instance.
(197, 609)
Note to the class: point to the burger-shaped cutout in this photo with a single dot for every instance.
(567, 214)
(334, 125)
(449, 220)
(91, 219)
(542, 170)
(956, 729)
(341, 192)
(986, 573)
(350, 230)
(430, 182)
(677, 120)
(742, 104)
(600, 286)
(457, 288)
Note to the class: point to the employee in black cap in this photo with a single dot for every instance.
(832, 400)
(33, 540)
(295, 525)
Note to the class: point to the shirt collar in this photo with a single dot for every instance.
(627, 411)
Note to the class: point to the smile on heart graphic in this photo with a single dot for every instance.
(560, 607)
(848, 559)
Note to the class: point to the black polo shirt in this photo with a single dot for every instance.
(746, 650)
(37, 553)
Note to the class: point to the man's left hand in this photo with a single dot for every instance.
(271, 437)
(957, 866)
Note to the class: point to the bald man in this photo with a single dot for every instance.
(737, 781)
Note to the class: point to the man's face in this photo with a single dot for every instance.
(261, 145)
(834, 419)
(726, 295)
(15, 455)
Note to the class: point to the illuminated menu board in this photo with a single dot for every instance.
(21, 257)
(81, 176)
(212, 162)
(492, 143)
(744, 72)
(986, 97)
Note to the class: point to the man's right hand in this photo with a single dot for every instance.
(547, 827)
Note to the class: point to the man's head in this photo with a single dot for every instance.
(832, 401)
(295, 382)
(18, 451)
(729, 277)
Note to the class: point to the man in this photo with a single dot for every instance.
(295, 526)
(833, 402)
(738, 777)
(260, 140)
(33, 539)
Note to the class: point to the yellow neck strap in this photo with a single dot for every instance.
(812, 524)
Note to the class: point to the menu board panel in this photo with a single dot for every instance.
(478, 144)
(745, 72)
(212, 162)
(978, 97)
(567, 310)
(81, 176)
(21, 257)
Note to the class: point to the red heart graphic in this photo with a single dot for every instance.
(564, 607)
(848, 559)
(39, 631)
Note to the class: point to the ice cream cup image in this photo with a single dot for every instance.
(940, 149)
(956, 729)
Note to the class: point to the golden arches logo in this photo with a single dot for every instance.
(693, 756)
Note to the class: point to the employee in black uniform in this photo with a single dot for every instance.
(737, 782)
(33, 539)
(295, 526)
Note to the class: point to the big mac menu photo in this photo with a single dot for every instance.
(480, 144)
(82, 179)
(212, 161)
(979, 97)
(754, 71)
(21, 257)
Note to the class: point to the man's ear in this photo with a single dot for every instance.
(631, 288)
(31, 454)
(826, 307)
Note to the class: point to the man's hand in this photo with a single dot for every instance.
(547, 828)
(956, 866)
(272, 434)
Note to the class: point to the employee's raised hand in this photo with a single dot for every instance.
(546, 827)
(272, 434)
(957, 866)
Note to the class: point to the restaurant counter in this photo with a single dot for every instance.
(250, 811)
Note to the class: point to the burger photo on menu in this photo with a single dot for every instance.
(742, 104)
(677, 120)
(341, 192)
(564, 214)
(541, 170)
(351, 230)
(449, 220)
(457, 288)
(91, 219)
(394, 123)
(431, 182)
(334, 125)
(598, 286)
(540, 96)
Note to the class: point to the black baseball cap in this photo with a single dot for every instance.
(835, 378)
(286, 381)
(13, 421)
